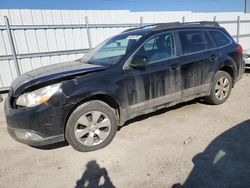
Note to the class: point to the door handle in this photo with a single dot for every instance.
(174, 66)
(213, 58)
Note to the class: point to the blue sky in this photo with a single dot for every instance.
(133, 5)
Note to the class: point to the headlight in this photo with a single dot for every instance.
(37, 97)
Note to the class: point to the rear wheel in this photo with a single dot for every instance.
(91, 126)
(221, 88)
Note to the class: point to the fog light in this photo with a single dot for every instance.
(27, 135)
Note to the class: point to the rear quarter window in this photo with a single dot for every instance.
(219, 38)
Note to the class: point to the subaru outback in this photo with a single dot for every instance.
(133, 73)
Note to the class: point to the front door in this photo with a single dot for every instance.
(158, 82)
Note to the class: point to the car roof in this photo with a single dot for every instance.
(172, 25)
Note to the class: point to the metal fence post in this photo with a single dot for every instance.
(245, 7)
(141, 21)
(88, 32)
(183, 19)
(238, 29)
(12, 45)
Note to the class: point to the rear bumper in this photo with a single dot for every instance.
(241, 71)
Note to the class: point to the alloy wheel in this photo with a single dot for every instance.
(222, 88)
(92, 128)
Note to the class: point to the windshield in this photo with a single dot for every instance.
(112, 50)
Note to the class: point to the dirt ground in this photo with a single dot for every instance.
(191, 145)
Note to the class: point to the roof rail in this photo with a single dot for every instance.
(159, 26)
(176, 24)
(141, 27)
(206, 23)
(167, 25)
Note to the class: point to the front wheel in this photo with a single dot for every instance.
(220, 89)
(91, 126)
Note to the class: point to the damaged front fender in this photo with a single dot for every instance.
(52, 74)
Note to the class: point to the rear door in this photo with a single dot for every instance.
(197, 59)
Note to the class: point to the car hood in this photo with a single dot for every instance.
(50, 73)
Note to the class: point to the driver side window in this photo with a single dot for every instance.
(158, 48)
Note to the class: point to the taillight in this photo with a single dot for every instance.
(239, 49)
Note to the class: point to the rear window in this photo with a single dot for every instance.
(192, 41)
(219, 38)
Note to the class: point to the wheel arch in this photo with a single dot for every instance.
(229, 70)
(111, 101)
(230, 67)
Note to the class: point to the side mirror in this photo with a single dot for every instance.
(139, 61)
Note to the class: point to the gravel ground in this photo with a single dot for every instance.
(190, 145)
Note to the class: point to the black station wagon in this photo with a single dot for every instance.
(136, 72)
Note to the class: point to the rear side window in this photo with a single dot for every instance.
(219, 38)
(192, 41)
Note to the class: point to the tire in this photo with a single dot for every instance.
(91, 126)
(220, 89)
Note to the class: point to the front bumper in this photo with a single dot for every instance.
(32, 138)
(36, 126)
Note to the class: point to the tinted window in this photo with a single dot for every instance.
(192, 41)
(158, 48)
(219, 38)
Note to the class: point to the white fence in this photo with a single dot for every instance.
(44, 37)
